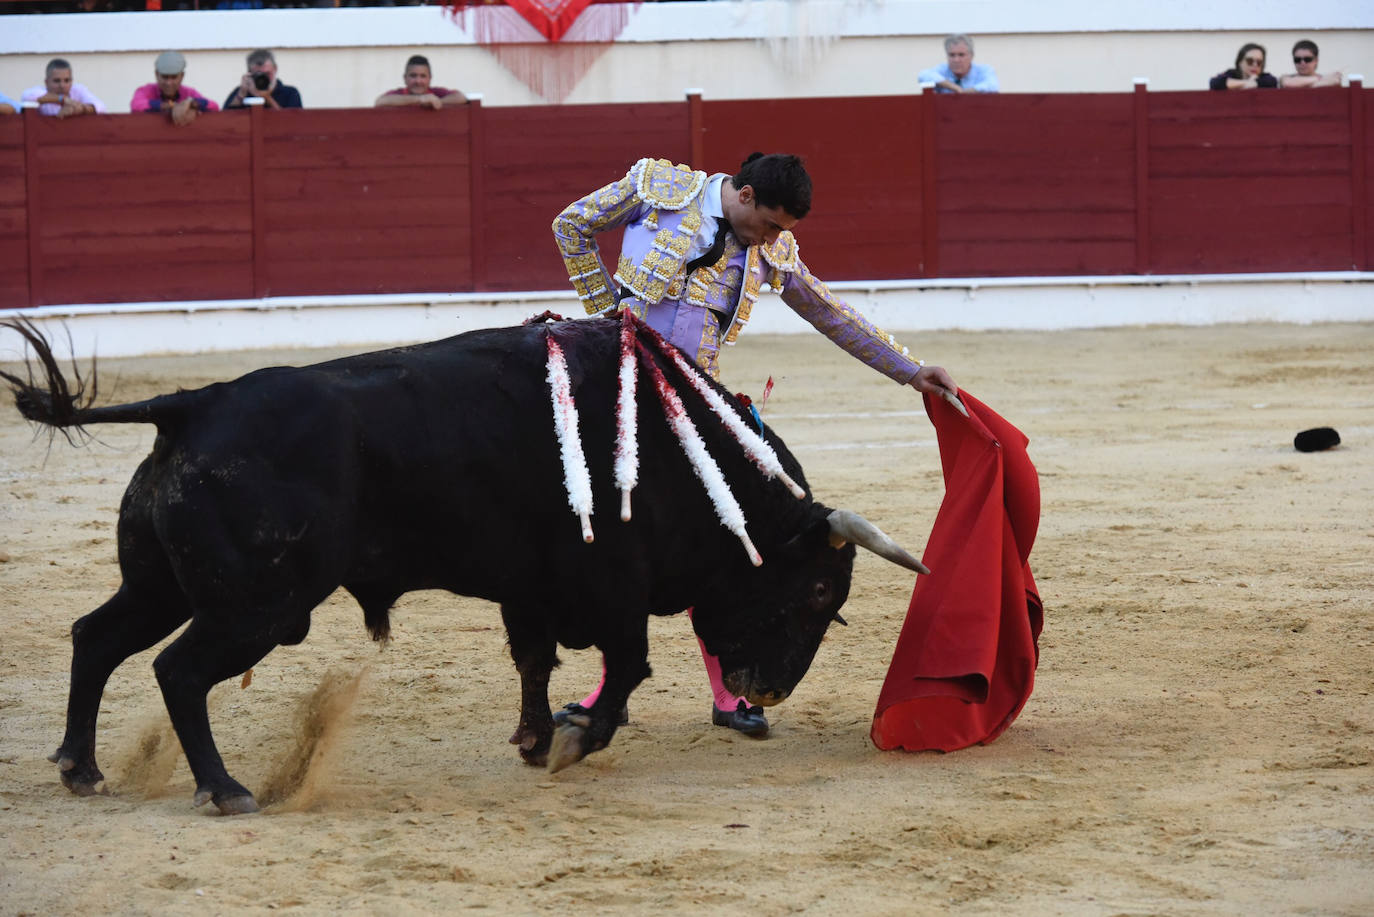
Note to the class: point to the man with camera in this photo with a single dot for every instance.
(260, 82)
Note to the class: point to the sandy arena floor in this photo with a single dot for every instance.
(1200, 741)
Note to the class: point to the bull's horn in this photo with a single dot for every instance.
(850, 526)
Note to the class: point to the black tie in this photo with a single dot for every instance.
(713, 253)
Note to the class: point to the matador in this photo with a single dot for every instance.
(696, 252)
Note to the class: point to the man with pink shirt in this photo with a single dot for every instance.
(181, 103)
(59, 97)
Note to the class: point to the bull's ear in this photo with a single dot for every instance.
(813, 539)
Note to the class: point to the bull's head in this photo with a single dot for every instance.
(767, 628)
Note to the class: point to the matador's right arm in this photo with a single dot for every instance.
(575, 231)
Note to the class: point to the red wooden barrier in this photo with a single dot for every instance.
(539, 160)
(365, 202)
(130, 208)
(1035, 184)
(1250, 181)
(14, 217)
(864, 158)
(250, 204)
(1361, 167)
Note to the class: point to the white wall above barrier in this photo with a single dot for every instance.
(973, 304)
(346, 57)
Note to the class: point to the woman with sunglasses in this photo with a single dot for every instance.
(1248, 73)
(1305, 62)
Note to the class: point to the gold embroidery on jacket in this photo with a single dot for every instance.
(574, 231)
(665, 186)
(708, 352)
(664, 261)
(753, 273)
(662, 186)
(783, 254)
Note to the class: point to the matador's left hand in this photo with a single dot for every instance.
(935, 381)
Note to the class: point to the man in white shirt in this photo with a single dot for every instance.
(59, 97)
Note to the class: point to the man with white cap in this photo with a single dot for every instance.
(181, 103)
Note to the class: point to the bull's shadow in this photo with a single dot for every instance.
(490, 464)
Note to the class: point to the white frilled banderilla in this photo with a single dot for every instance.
(633, 352)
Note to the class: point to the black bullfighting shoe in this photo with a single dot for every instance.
(748, 720)
(561, 716)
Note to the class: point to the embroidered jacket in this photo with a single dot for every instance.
(659, 205)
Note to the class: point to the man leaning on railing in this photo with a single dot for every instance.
(169, 95)
(60, 97)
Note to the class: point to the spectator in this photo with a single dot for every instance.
(959, 73)
(1248, 73)
(59, 96)
(260, 82)
(181, 103)
(7, 105)
(417, 90)
(1307, 77)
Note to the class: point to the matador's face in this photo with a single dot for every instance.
(755, 224)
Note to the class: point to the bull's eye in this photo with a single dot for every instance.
(820, 593)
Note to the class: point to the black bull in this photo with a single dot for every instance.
(436, 466)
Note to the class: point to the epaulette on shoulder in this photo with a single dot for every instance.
(782, 254)
(665, 186)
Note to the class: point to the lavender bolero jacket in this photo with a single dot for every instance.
(659, 205)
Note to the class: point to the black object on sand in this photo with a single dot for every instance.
(1316, 439)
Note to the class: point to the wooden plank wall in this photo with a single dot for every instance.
(14, 217)
(864, 159)
(1034, 185)
(370, 201)
(129, 208)
(538, 160)
(1250, 181)
(1362, 178)
(254, 203)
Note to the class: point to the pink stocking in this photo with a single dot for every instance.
(724, 700)
(596, 692)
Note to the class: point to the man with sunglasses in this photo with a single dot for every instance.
(1305, 62)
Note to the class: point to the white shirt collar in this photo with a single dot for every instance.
(711, 205)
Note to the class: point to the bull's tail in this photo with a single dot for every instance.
(48, 398)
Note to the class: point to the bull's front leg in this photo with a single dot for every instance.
(534, 651)
(627, 664)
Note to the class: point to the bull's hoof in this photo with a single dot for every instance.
(237, 805)
(240, 802)
(569, 746)
(81, 779)
(534, 747)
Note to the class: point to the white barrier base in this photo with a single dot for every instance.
(137, 329)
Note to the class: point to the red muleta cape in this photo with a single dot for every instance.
(965, 661)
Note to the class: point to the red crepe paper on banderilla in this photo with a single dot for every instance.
(965, 660)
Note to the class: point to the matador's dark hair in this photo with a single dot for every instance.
(778, 180)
